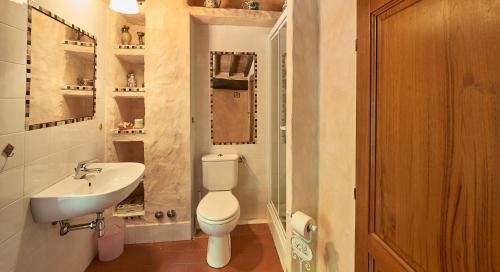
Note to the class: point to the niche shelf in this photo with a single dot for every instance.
(75, 93)
(133, 56)
(127, 104)
(133, 205)
(130, 131)
(126, 92)
(77, 88)
(128, 95)
(85, 53)
(235, 17)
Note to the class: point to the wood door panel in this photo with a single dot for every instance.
(431, 175)
(410, 131)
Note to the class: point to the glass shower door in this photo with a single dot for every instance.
(279, 124)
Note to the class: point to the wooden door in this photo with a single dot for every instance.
(428, 133)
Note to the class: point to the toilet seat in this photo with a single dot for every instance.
(218, 207)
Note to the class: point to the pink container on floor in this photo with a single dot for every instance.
(110, 246)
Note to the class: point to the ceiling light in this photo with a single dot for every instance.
(124, 6)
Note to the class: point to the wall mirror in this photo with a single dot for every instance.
(233, 97)
(61, 67)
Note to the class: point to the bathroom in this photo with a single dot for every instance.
(241, 135)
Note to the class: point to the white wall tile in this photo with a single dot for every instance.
(67, 136)
(17, 140)
(12, 44)
(60, 165)
(12, 219)
(37, 144)
(12, 80)
(37, 176)
(11, 185)
(12, 113)
(14, 13)
(9, 252)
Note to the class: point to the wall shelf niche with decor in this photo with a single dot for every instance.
(234, 17)
(264, 5)
(126, 101)
(133, 205)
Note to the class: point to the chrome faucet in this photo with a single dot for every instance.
(81, 169)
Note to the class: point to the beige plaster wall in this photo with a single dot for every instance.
(302, 111)
(252, 189)
(167, 108)
(337, 135)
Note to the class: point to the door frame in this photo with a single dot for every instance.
(365, 242)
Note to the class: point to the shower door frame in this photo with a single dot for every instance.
(278, 230)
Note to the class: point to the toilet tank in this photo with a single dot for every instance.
(220, 172)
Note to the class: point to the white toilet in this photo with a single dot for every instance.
(219, 211)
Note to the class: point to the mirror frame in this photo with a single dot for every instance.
(34, 6)
(255, 91)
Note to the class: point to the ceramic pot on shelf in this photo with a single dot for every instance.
(126, 37)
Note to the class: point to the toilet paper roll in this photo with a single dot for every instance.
(301, 222)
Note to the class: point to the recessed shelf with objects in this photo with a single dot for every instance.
(133, 205)
(264, 5)
(234, 17)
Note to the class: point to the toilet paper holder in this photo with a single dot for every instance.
(302, 235)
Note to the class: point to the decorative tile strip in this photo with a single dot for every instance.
(33, 5)
(135, 46)
(58, 123)
(78, 88)
(212, 76)
(129, 131)
(79, 43)
(127, 89)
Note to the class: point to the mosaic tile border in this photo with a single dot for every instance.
(77, 88)
(79, 43)
(129, 131)
(32, 5)
(131, 46)
(132, 90)
(253, 122)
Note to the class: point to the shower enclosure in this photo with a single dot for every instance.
(278, 122)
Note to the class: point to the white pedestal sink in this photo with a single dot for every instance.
(72, 197)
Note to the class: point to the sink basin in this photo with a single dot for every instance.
(71, 197)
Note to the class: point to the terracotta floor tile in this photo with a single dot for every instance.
(252, 250)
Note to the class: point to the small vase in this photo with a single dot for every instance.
(131, 81)
(126, 37)
(140, 36)
(211, 3)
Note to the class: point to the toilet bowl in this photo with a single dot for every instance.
(218, 214)
(219, 211)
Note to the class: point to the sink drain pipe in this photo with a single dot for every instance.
(97, 225)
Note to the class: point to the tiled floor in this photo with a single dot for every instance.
(252, 250)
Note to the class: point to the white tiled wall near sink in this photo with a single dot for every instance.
(42, 157)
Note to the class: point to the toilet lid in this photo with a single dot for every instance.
(217, 206)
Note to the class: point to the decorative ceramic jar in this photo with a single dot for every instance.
(252, 5)
(211, 3)
(126, 37)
